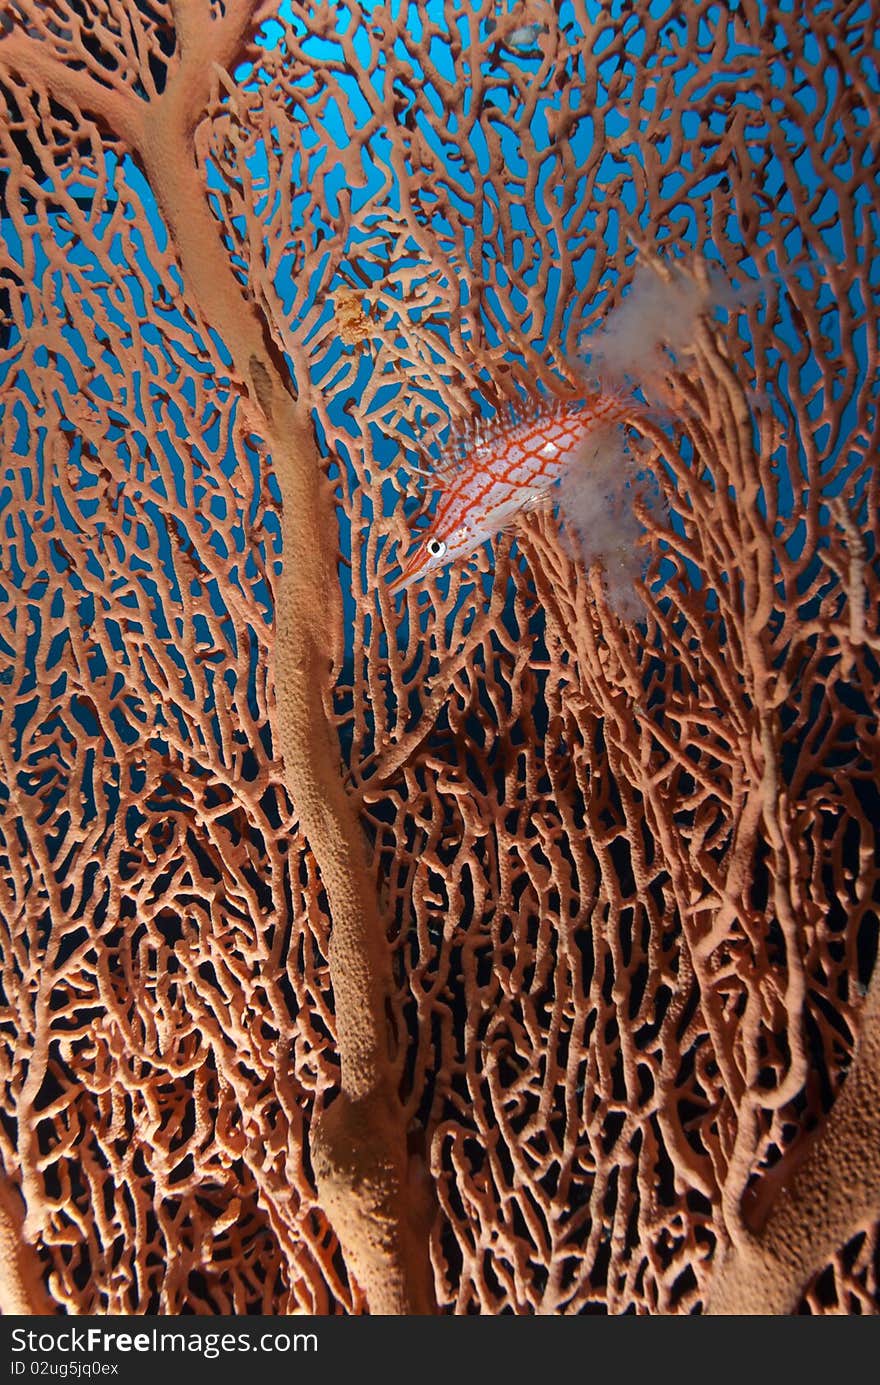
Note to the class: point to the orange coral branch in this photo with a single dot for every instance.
(21, 1273)
(833, 1193)
(383, 1260)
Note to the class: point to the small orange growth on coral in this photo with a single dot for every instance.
(354, 325)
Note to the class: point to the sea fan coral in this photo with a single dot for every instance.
(489, 954)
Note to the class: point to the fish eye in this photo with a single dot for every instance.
(436, 548)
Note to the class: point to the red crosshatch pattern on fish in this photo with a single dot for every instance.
(509, 466)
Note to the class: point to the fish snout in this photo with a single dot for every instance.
(411, 569)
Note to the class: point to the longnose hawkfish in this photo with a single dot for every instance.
(513, 465)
